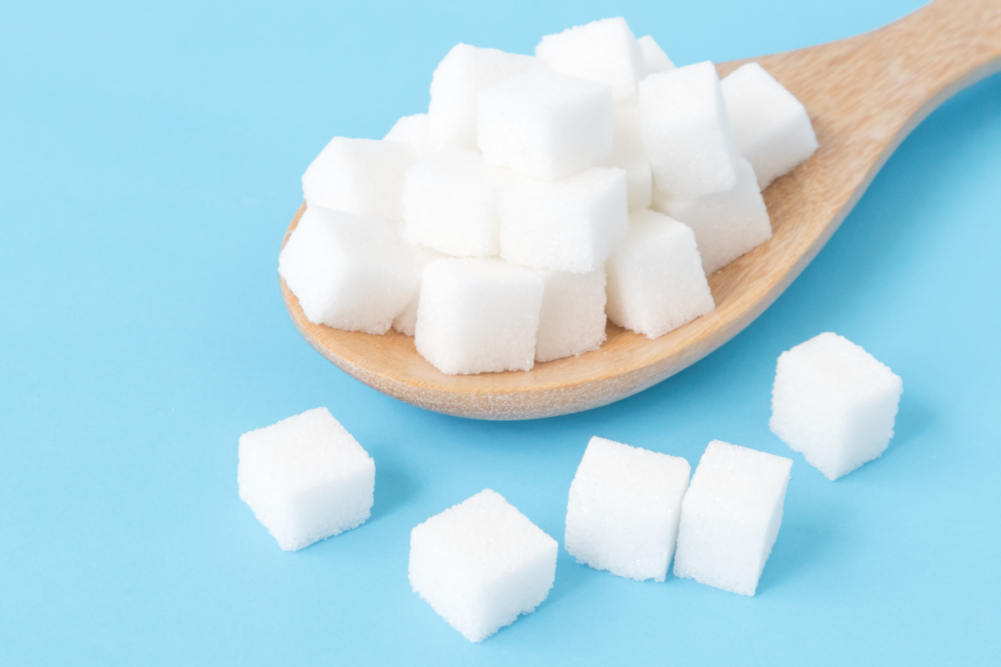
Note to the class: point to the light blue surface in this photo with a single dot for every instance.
(149, 164)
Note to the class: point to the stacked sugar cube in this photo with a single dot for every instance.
(541, 195)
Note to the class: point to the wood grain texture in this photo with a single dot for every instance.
(864, 95)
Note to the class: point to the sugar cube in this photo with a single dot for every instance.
(730, 517)
(347, 272)
(653, 56)
(624, 508)
(455, 86)
(306, 478)
(414, 131)
(629, 154)
(481, 563)
(726, 224)
(686, 131)
(359, 176)
(605, 51)
(478, 316)
(406, 321)
(545, 125)
(572, 224)
(834, 403)
(655, 278)
(572, 316)
(771, 128)
(449, 204)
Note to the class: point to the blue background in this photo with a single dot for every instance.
(149, 164)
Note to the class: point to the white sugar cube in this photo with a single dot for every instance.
(572, 316)
(624, 508)
(480, 564)
(629, 154)
(731, 516)
(478, 316)
(605, 51)
(414, 131)
(305, 478)
(653, 56)
(655, 278)
(686, 131)
(449, 204)
(572, 224)
(834, 403)
(726, 224)
(348, 272)
(457, 82)
(406, 321)
(771, 128)
(545, 125)
(359, 176)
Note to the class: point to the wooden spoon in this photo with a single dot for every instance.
(864, 95)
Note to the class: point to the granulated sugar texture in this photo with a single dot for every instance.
(834, 403)
(305, 478)
(481, 564)
(625, 503)
(731, 516)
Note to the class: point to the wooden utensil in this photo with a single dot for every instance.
(864, 95)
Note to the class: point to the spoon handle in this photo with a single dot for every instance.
(893, 77)
(866, 93)
(889, 79)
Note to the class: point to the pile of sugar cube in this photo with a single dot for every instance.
(540, 195)
(482, 563)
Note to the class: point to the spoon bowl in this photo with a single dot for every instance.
(864, 95)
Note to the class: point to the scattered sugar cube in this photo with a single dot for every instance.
(478, 316)
(653, 56)
(731, 516)
(625, 503)
(834, 403)
(406, 321)
(359, 176)
(305, 478)
(686, 131)
(545, 125)
(347, 272)
(629, 154)
(414, 131)
(480, 564)
(456, 84)
(655, 278)
(572, 316)
(605, 51)
(726, 224)
(771, 128)
(572, 224)
(449, 204)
